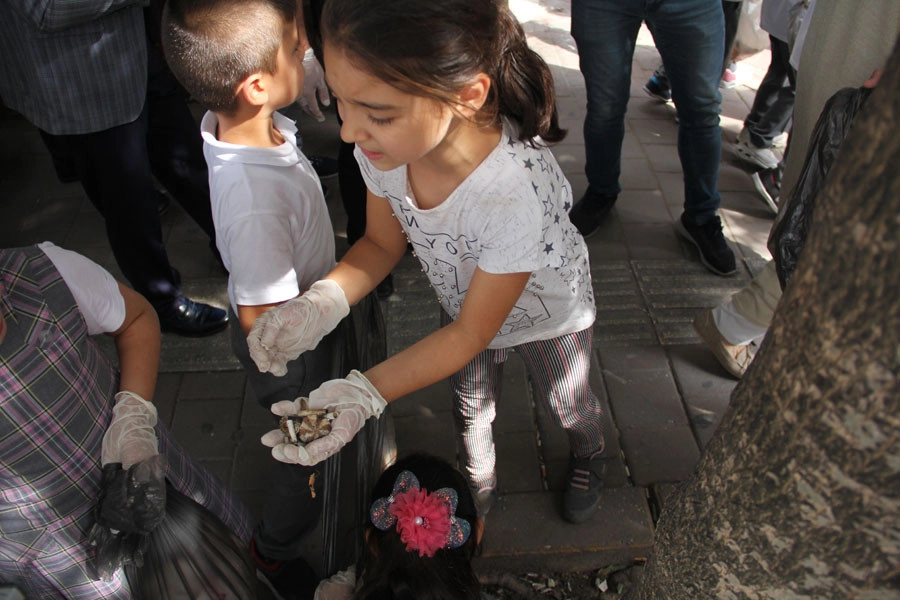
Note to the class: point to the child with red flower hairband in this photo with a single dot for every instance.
(423, 534)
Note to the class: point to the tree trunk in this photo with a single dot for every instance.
(798, 494)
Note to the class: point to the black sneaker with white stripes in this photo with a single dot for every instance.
(583, 487)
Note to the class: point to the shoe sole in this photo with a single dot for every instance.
(761, 188)
(679, 227)
(748, 156)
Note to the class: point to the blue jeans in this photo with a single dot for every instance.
(689, 35)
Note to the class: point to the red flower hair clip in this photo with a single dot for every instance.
(426, 521)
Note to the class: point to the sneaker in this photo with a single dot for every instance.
(710, 243)
(589, 213)
(583, 488)
(290, 579)
(768, 184)
(729, 77)
(323, 166)
(484, 500)
(744, 149)
(780, 140)
(658, 89)
(735, 359)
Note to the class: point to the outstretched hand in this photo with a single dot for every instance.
(353, 400)
(284, 332)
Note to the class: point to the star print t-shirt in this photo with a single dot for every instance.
(510, 215)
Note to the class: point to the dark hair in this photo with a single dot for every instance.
(434, 48)
(213, 45)
(390, 572)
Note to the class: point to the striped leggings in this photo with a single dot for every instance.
(559, 368)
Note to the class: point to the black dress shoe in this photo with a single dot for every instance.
(193, 319)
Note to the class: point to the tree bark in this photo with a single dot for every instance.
(798, 494)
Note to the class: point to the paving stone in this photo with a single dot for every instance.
(434, 434)
(515, 409)
(166, 397)
(652, 241)
(429, 402)
(662, 453)
(518, 462)
(641, 396)
(706, 386)
(525, 533)
(207, 428)
(663, 158)
(641, 207)
(213, 385)
(637, 174)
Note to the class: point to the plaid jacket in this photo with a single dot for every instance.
(76, 66)
(56, 394)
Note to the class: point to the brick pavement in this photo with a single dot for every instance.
(664, 393)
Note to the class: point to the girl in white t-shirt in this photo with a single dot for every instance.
(450, 112)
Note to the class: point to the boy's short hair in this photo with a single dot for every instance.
(213, 45)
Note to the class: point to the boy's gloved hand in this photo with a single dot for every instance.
(353, 399)
(285, 332)
(130, 437)
(315, 90)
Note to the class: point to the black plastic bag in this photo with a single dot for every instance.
(192, 555)
(132, 505)
(788, 235)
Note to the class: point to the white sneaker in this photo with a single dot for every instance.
(744, 149)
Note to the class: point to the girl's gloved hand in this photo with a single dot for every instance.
(353, 400)
(130, 437)
(284, 332)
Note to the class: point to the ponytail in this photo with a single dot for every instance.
(523, 85)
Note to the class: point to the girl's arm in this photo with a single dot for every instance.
(137, 344)
(374, 255)
(487, 304)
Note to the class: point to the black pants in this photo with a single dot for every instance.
(116, 168)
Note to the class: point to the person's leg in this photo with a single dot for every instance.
(114, 168)
(475, 389)
(773, 114)
(176, 156)
(605, 32)
(689, 35)
(560, 369)
(731, 10)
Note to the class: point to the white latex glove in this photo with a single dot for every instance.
(286, 331)
(339, 586)
(315, 91)
(353, 400)
(130, 438)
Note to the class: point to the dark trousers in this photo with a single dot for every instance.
(116, 168)
(773, 104)
(293, 502)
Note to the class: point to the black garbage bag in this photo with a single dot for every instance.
(788, 235)
(132, 505)
(192, 555)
